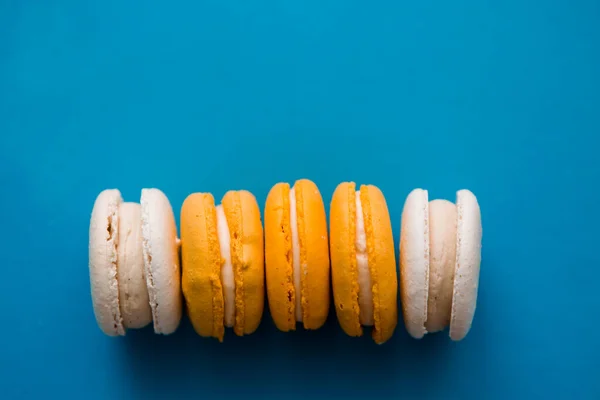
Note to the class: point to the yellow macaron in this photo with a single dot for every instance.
(297, 256)
(222, 251)
(363, 262)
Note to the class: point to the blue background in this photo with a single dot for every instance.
(501, 98)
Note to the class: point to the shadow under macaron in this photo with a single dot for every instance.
(270, 360)
(155, 364)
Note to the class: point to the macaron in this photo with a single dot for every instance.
(297, 256)
(222, 250)
(134, 263)
(363, 261)
(440, 257)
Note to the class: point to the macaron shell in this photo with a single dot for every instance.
(414, 262)
(201, 265)
(382, 262)
(314, 253)
(133, 293)
(161, 260)
(468, 261)
(344, 273)
(247, 257)
(103, 239)
(278, 258)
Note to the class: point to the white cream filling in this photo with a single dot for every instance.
(442, 258)
(227, 278)
(365, 293)
(296, 268)
(133, 293)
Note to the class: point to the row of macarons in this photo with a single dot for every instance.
(226, 266)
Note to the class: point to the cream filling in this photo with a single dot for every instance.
(296, 267)
(442, 258)
(227, 277)
(133, 292)
(365, 292)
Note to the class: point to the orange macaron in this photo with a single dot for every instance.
(222, 253)
(297, 256)
(363, 262)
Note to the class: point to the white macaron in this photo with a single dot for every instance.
(440, 257)
(134, 263)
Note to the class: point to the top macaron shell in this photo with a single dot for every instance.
(201, 265)
(468, 263)
(247, 256)
(414, 262)
(103, 239)
(161, 260)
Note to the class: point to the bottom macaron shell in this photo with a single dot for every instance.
(414, 262)
(247, 257)
(103, 239)
(314, 254)
(382, 263)
(344, 270)
(201, 265)
(468, 262)
(281, 294)
(161, 260)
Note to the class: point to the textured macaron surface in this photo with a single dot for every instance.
(468, 263)
(414, 262)
(103, 239)
(281, 293)
(344, 267)
(201, 265)
(382, 262)
(247, 258)
(314, 254)
(161, 260)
